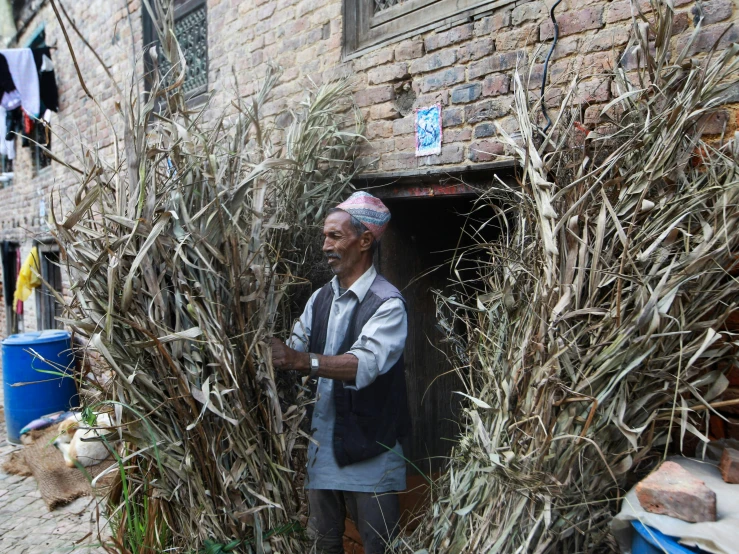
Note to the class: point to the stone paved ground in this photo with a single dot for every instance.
(26, 524)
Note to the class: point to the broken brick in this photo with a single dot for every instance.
(729, 465)
(673, 491)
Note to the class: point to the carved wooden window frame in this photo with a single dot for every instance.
(366, 29)
(182, 10)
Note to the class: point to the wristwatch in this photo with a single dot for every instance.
(313, 364)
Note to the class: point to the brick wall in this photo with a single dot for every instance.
(467, 68)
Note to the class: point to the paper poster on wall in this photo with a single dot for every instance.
(428, 130)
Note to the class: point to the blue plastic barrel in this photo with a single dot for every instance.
(31, 392)
(647, 540)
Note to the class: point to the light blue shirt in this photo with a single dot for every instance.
(378, 347)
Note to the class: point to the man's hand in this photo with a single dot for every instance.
(283, 357)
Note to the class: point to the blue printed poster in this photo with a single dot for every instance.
(428, 130)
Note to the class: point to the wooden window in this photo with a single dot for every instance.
(191, 30)
(370, 23)
(48, 308)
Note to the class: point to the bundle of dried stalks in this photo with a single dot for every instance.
(593, 338)
(180, 251)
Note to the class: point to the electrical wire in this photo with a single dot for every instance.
(546, 65)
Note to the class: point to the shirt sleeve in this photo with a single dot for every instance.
(380, 343)
(300, 336)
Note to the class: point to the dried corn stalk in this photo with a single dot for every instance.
(594, 337)
(181, 251)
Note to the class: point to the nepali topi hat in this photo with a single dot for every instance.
(369, 210)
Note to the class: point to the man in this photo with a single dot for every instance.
(351, 336)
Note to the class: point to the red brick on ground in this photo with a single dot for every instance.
(729, 465)
(673, 491)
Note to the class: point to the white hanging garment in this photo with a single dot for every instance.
(23, 71)
(7, 147)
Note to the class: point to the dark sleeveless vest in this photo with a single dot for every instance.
(371, 420)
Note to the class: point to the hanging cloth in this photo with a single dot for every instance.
(47, 80)
(23, 71)
(6, 79)
(29, 278)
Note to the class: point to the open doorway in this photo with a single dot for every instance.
(10, 259)
(415, 254)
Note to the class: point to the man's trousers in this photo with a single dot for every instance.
(376, 516)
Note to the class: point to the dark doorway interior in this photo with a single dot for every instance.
(48, 307)
(11, 263)
(423, 235)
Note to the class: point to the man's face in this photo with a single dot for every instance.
(341, 245)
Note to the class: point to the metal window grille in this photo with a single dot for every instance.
(385, 4)
(191, 30)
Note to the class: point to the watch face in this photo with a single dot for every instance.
(314, 363)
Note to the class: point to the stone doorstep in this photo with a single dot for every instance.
(673, 491)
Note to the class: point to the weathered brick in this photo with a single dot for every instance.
(528, 11)
(444, 78)
(493, 64)
(409, 50)
(266, 11)
(398, 161)
(452, 36)
(466, 93)
(516, 38)
(485, 150)
(713, 11)
(456, 135)
(708, 36)
(403, 126)
(486, 129)
(367, 163)
(374, 59)
(633, 57)
(384, 111)
(673, 491)
(622, 9)
(485, 110)
(450, 154)
(714, 124)
(571, 23)
(387, 73)
(475, 50)
(434, 62)
(437, 97)
(680, 23)
(565, 46)
(379, 129)
(374, 95)
(405, 142)
(729, 465)
(452, 117)
(495, 85)
(593, 91)
(490, 24)
(607, 38)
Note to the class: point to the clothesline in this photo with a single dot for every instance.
(27, 92)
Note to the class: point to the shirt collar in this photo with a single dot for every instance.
(360, 287)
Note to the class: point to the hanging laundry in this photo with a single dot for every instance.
(29, 277)
(6, 79)
(47, 80)
(23, 71)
